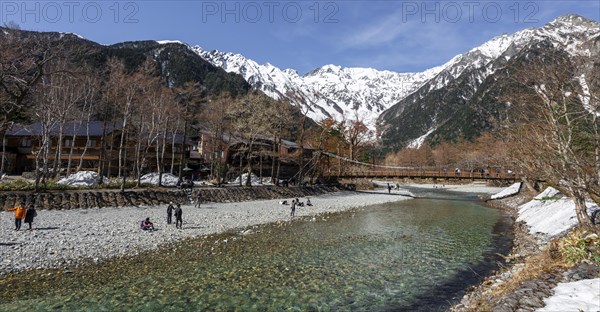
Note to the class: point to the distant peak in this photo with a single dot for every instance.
(574, 20)
(331, 67)
(291, 71)
(325, 69)
(170, 41)
(73, 34)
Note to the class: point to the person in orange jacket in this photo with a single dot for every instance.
(19, 215)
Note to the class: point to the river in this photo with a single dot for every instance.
(411, 255)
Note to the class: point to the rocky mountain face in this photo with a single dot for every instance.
(329, 91)
(464, 99)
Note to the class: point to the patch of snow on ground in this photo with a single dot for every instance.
(576, 296)
(416, 143)
(549, 216)
(81, 178)
(509, 191)
(254, 180)
(203, 183)
(549, 192)
(167, 179)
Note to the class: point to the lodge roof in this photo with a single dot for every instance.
(77, 128)
(235, 139)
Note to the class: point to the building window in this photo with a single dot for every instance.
(25, 142)
(90, 143)
(69, 143)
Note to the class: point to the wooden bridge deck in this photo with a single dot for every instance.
(421, 174)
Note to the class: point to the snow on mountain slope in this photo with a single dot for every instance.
(381, 96)
(570, 33)
(328, 91)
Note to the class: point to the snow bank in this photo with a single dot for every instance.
(549, 193)
(576, 296)
(509, 191)
(81, 178)
(550, 214)
(167, 179)
(254, 180)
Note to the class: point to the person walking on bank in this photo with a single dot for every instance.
(170, 213)
(198, 199)
(293, 213)
(29, 215)
(178, 219)
(19, 215)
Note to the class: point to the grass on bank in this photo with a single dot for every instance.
(578, 246)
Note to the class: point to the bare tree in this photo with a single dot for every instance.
(23, 64)
(189, 96)
(558, 126)
(281, 122)
(250, 118)
(90, 94)
(356, 134)
(215, 120)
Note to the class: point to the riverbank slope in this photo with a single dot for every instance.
(551, 266)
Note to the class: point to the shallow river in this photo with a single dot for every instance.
(411, 255)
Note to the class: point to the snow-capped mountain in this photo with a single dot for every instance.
(406, 108)
(443, 100)
(328, 91)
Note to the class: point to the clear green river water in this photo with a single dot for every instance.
(410, 255)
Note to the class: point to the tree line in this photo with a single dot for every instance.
(46, 82)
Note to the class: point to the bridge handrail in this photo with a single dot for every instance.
(426, 174)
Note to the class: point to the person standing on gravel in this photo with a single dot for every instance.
(19, 215)
(198, 199)
(178, 219)
(170, 213)
(293, 213)
(29, 215)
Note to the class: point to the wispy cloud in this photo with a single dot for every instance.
(387, 29)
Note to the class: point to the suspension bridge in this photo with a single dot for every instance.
(353, 169)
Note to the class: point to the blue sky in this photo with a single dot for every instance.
(394, 35)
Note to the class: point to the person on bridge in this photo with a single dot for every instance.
(389, 189)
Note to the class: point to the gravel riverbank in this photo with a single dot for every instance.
(62, 238)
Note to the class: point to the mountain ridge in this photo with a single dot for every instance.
(568, 33)
(378, 96)
(329, 91)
